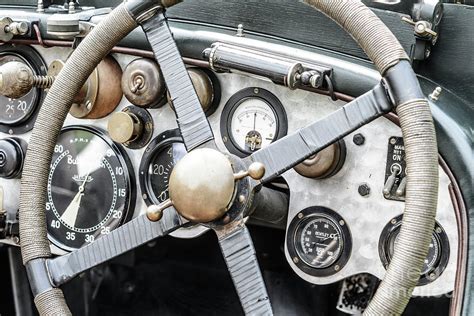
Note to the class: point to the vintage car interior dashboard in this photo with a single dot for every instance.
(342, 208)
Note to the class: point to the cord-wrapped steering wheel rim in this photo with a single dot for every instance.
(381, 47)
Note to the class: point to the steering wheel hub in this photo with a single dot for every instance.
(202, 185)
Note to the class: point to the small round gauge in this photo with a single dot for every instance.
(16, 114)
(438, 252)
(157, 163)
(90, 190)
(252, 119)
(319, 241)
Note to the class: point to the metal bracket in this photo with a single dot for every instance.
(425, 18)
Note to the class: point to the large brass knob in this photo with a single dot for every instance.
(202, 185)
(124, 127)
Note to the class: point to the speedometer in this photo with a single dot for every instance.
(89, 188)
(252, 119)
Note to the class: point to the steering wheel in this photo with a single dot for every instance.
(217, 190)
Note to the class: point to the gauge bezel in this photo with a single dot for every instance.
(156, 145)
(128, 173)
(34, 60)
(440, 236)
(234, 102)
(292, 240)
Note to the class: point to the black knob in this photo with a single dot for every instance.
(11, 157)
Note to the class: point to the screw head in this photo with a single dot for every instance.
(364, 189)
(358, 139)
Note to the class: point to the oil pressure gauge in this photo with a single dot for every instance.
(319, 241)
(252, 119)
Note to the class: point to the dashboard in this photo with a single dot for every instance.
(345, 203)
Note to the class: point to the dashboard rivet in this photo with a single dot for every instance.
(393, 141)
(393, 221)
(439, 230)
(337, 267)
(256, 90)
(364, 189)
(342, 223)
(358, 139)
(296, 260)
(300, 215)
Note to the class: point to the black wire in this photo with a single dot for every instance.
(330, 88)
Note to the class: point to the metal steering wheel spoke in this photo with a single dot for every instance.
(192, 121)
(239, 254)
(293, 149)
(119, 241)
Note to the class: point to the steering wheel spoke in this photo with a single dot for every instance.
(293, 149)
(239, 254)
(192, 121)
(119, 241)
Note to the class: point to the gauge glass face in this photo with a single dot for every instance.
(88, 189)
(159, 170)
(15, 111)
(254, 125)
(320, 242)
(431, 259)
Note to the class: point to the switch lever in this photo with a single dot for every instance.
(391, 180)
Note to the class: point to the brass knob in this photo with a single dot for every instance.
(202, 185)
(124, 127)
(256, 171)
(16, 79)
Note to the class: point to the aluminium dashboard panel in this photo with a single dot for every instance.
(364, 164)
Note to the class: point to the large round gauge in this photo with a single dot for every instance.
(438, 252)
(252, 119)
(16, 115)
(319, 241)
(90, 188)
(157, 163)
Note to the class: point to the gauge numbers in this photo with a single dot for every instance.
(321, 242)
(159, 170)
(89, 188)
(159, 159)
(254, 125)
(252, 119)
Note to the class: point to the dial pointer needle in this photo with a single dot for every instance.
(70, 214)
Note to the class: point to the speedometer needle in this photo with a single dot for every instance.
(70, 214)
